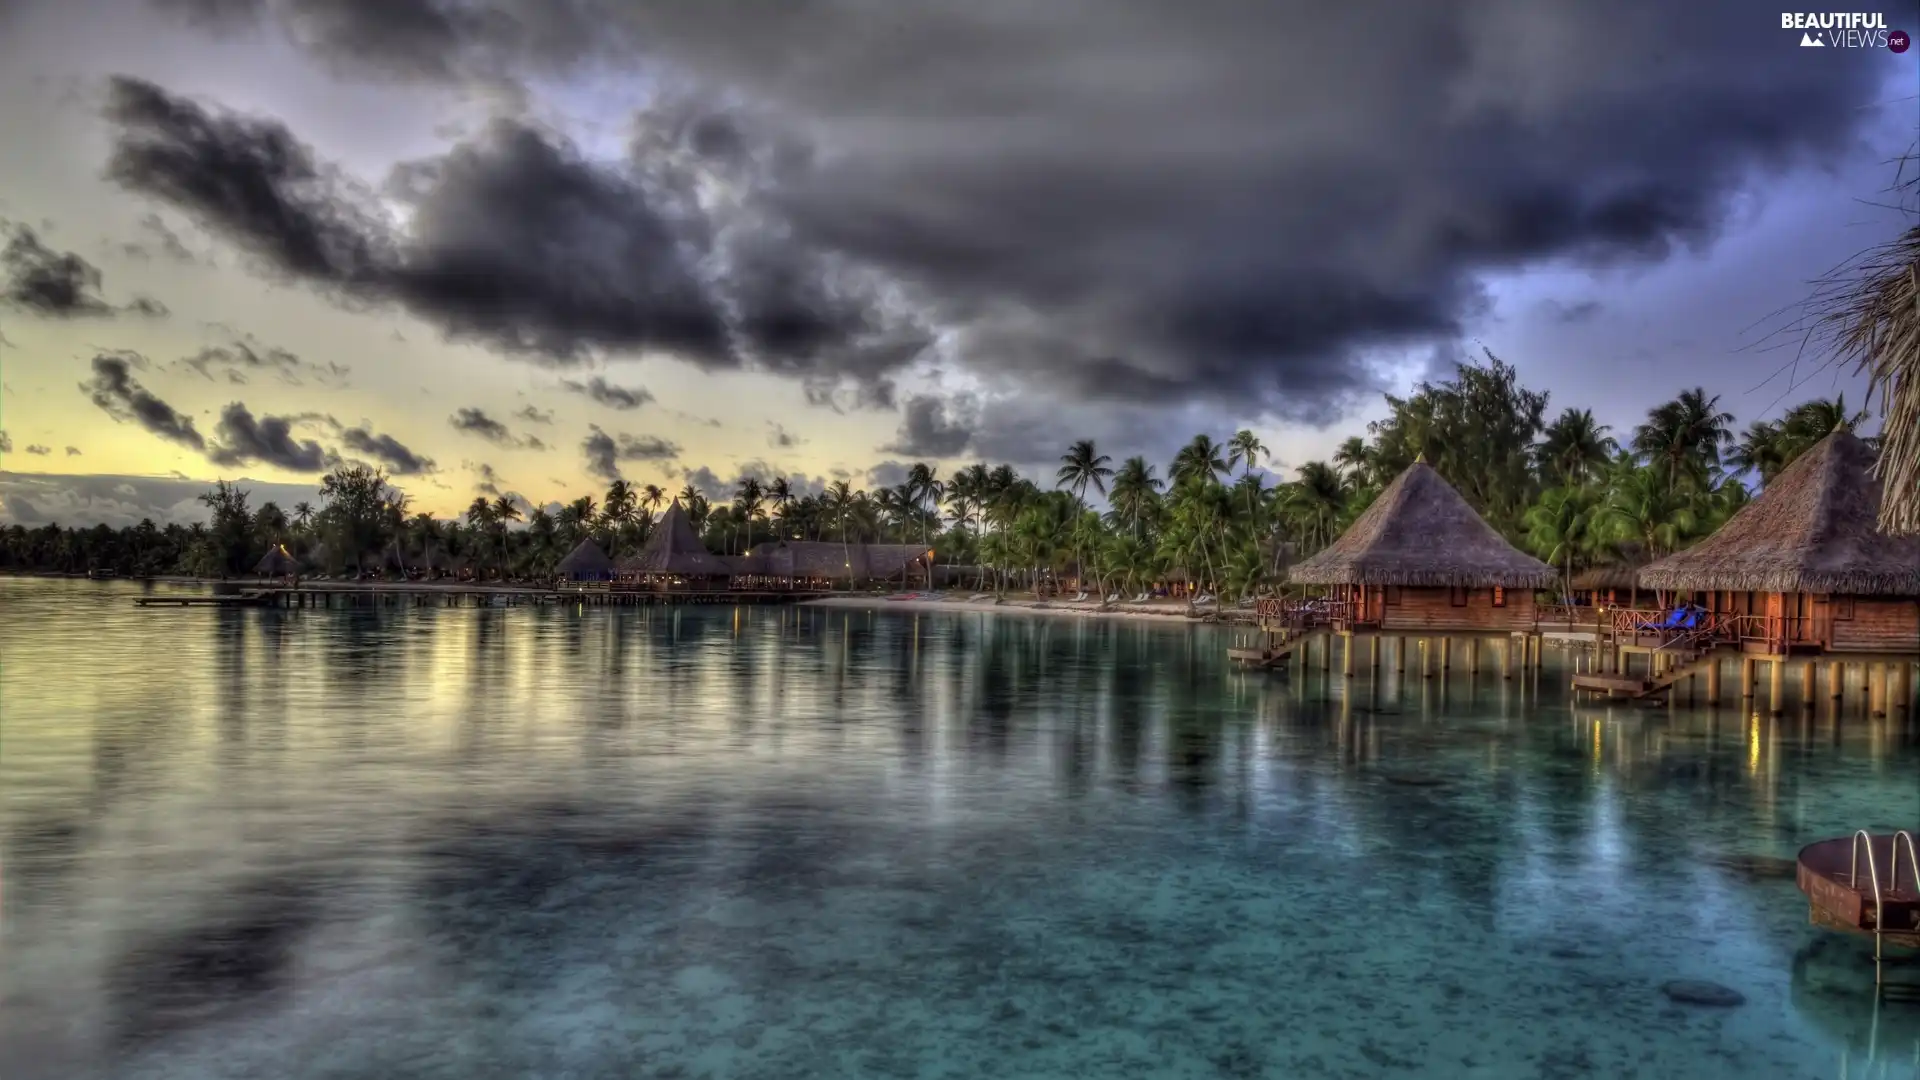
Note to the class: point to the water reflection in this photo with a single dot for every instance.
(433, 842)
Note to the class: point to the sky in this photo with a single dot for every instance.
(524, 247)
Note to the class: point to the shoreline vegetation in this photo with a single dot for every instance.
(1216, 522)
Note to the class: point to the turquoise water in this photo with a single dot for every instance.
(782, 843)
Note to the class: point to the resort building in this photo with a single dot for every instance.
(826, 564)
(1420, 560)
(586, 562)
(674, 559)
(1804, 571)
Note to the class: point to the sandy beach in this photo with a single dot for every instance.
(1161, 609)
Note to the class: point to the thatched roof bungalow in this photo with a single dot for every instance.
(674, 556)
(586, 562)
(1807, 561)
(277, 563)
(1421, 559)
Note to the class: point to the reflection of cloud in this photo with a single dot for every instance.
(40, 498)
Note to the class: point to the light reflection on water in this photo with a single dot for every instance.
(778, 842)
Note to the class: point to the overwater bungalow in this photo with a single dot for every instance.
(1608, 584)
(586, 562)
(674, 559)
(1419, 563)
(1804, 572)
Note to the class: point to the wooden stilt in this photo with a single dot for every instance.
(1836, 680)
(1903, 687)
(1373, 654)
(1346, 655)
(1746, 678)
(1877, 689)
(1807, 680)
(1776, 685)
(1446, 654)
(1713, 683)
(1400, 654)
(1426, 658)
(1473, 656)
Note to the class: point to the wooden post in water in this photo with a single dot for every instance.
(1776, 684)
(1326, 653)
(1903, 687)
(1400, 654)
(1877, 689)
(1836, 679)
(1373, 654)
(1426, 658)
(1346, 655)
(1807, 681)
(1446, 654)
(1713, 682)
(1473, 656)
(1746, 679)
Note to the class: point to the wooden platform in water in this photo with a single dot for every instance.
(1632, 685)
(237, 600)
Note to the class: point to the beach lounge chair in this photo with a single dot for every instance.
(1080, 597)
(1143, 598)
(1113, 598)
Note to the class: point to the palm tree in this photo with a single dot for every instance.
(780, 494)
(1135, 490)
(302, 514)
(923, 486)
(1355, 459)
(1575, 448)
(1245, 449)
(1643, 506)
(749, 501)
(1561, 526)
(504, 511)
(1198, 460)
(840, 500)
(1686, 434)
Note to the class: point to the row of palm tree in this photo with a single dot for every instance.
(1565, 489)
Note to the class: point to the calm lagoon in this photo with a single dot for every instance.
(789, 842)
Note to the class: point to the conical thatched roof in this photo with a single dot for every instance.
(674, 548)
(1812, 530)
(1420, 532)
(585, 560)
(277, 563)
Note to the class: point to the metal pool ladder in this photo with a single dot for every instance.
(1862, 840)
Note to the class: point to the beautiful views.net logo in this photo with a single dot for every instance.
(1844, 30)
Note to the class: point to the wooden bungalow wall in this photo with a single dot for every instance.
(1834, 623)
(1410, 609)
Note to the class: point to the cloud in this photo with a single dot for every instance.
(534, 415)
(604, 452)
(516, 241)
(114, 389)
(243, 439)
(708, 483)
(486, 481)
(888, 474)
(73, 451)
(614, 397)
(475, 421)
(780, 438)
(1567, 314)
(385, 450)
(158, 240)
(118, 500)
(245, 355)
(39, 450)
(1121, 201)
(932, 427)
(57, 284)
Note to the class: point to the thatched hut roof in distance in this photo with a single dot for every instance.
(586, 560)
(277, 563)
(1421, 533)
(674, 548)
(830, 560)
(1813, 530)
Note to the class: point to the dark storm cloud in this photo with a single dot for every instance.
(604, 452)
(114, 389)
(244, 439)
(533, 415)
(888, 474)
(605, 393)
(1577, 312)
(780, 438)
(933, 427)
(476, 422)
(57, 284)
(708, 483)
(1160, 202)
(39, 450)
(485, 480)
(385, 450)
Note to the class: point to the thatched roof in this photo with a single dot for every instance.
(674, 548)
(277, 563)
(1602, 578)
(1813, 530)
(829, 559)
(585, 560)
(1420, 532)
